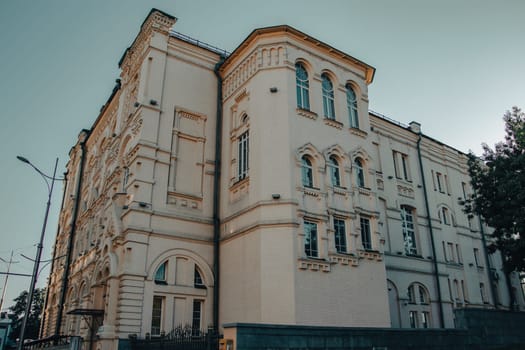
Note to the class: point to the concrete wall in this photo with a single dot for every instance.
(480, 330)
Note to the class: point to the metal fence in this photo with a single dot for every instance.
(55, 343)
(181, 338)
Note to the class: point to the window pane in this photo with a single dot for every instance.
(351, 103)
(334, 171)
(407, 224)
(307, 172)
(360, 175)
(196, 317)
(328, 97)
(365, 233)
(197, 279)
(302, 86)
(156, 315)
(340, 236)
(243, 155)
(160, 274)
(413, 319)
(310, 239)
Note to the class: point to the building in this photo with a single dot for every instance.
(257, 187)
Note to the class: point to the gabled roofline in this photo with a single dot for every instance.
(370, 71)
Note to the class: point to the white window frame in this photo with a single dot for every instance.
(340, 235)
(333, 166)
(307, 172)
(327, 88)
(408, 229)
(302, 86)
(366, 233)
(351, 104)
(311, 239)
(244, 149)
(156, 329)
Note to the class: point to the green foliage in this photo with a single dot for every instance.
(17, 314)
(498, 181)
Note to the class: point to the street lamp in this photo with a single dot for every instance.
(50, 182)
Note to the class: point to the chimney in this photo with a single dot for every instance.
(415, 127)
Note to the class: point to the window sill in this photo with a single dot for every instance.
(358, 132)
(312, 191)
(339, 190)
(333, 123)
(306, 113)
(370, 254)
(239, 183)
(345, 259)
(314, 264)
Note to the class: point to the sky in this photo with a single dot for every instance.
(453, 66)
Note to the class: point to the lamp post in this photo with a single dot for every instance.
(50, 182)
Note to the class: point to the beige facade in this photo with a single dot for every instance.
(316, 216)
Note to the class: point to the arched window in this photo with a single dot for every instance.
(307, 172)
(351, 103)
(445, 216)
(409, 233)
(419, 311)
(360, 173)
(243, 155)
(302, 87)
(333, 165)
(328, 97)
(160, 274)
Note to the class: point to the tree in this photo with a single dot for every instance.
(17, 314)
(498, 182)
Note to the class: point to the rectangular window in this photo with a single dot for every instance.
(464, 189)
(156, 315)
(243, 155)
(196, 317)
(450, 248)
(425, 319)
(458, 251)
(477, 258)
(482, 292)
(447, 186)
(310, 239)
(401, 165)
(413, 319)
(464, 290)
(366, 238)
(340, 235)
(439, 180)
(407, 225)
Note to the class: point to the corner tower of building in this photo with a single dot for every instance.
(300, 226)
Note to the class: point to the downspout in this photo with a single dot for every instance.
(429, 219)
(216, 198)
(71, 236)
(487, 263)
(43, 321)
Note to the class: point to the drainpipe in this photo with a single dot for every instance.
(216, 198)
(434, 260)
(43, 321)
(69, 253)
